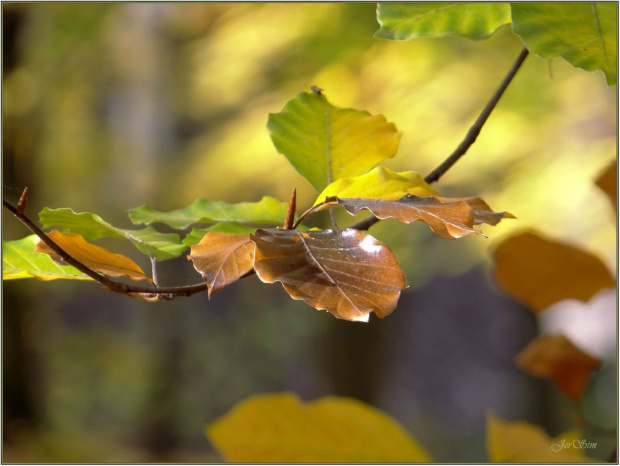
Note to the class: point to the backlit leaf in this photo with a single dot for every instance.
(448, 218)
(521, 442)
(379, 183)
(540, 272)
(19, 260)
(585, 34)
(267, 211)
(325, 143)
(149, 241)
(94, 257)
(557, 358)
(402, 21)
(348, 273)
(279, 428)
(222, 258)
(234, 228)
(608, 182)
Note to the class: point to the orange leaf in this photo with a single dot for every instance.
(448, 218)
(556, 358)
(222, 258)
(93, 257)
(540, 272)
(608, 182)
(348, 273)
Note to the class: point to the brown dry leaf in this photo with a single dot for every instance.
(540, 272)
(222, 258)
(94, 257)
(608, 182)
(556, 358)
(348, 273)
(448, 218)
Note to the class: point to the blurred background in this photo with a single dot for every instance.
(109, 106)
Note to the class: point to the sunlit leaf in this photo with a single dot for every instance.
(540, 272)
(402, 21)
(266, 211)
(94, 257)
(585, 34)
(522, 442)
(557, 358)
(608, 182)
(448, 218)
(222, 258)
(279, 428)
(348, 273)
(149, 241)
(325, 143)
(379, 183)
(233, 228)
(19, 260)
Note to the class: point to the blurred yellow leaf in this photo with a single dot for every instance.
(521, 442)
(540, 272)
(279, 428)
(608, 182)
(556, 358)
(93, 257)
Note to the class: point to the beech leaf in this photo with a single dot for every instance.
(19, 260)
(378, 183)
(557, 358)
(540, 272)
(522, 442)
(448, 218)
(94, 257)
(266, 211)
(280, 428)
(325, 143)
(235, 228)
(348, 273)
(222, 258)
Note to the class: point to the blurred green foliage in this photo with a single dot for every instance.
(110, 106)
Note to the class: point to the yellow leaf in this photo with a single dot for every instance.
(378, 183)
(521, 442)
(557, 358)
(93, 257)
(540, 272)
(279, 428)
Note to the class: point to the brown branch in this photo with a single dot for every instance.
(469, 139)
(117, 287)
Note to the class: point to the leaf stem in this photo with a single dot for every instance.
(117, 287)
(470, 137)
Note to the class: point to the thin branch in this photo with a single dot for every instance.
(117, 287)
(470, 137)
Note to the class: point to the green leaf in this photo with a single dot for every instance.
(197, 234)
(379, 183)
(325, 143)
(149, 241)
(403, 21)
(267, 211)
(20, 261)
(585, 34)
(279, 428)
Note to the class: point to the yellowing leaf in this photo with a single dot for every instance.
(222, 258)
(325, 143)
(279, 428)
(556, 358)
(521, 442)
(448, 218)
(94, 257)
(540, 272)
(378, 183)
(608, 182)
(348, 273)
(19, 260)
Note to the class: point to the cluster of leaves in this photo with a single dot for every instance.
(345, 271)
